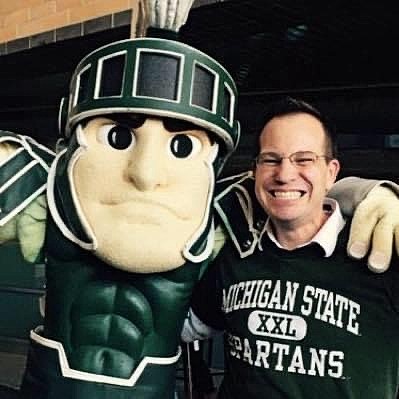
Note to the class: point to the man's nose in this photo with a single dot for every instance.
(286, 171)
(146, 168)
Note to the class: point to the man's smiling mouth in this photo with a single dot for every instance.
(289, 195)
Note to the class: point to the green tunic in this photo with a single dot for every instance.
(107, 333)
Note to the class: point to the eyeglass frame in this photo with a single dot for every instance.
(279, 159)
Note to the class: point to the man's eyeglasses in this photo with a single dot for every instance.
(301, 159)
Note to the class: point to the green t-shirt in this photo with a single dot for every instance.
(299, 325)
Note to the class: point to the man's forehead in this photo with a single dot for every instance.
(295, 117)
(303, 124)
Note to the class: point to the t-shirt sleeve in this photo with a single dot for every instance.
(206, 301)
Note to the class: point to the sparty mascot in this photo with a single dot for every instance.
(126, 224)
(148, 125)
(130, 219)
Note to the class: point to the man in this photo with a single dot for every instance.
(301, 318)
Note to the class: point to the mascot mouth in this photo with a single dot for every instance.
(140, 207)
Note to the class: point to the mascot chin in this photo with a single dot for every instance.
(147, 126)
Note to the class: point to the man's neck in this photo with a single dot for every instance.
(292, 235)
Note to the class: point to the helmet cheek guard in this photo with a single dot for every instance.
(156, 77)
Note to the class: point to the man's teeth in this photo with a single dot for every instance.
(287, 194)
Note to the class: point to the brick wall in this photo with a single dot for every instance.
(25, 18)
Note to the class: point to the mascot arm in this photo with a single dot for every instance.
(375, 209)
(24, 165)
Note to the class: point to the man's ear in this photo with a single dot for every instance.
(333, 170)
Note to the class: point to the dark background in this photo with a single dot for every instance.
(339, 55)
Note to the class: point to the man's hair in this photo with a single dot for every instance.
(288, 106)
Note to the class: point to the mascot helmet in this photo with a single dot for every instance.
(159, 77)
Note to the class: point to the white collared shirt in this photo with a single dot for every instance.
(326, 237)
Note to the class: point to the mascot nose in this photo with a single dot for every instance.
(147, 169)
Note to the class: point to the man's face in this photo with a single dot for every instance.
(293, 195)
(143, 189)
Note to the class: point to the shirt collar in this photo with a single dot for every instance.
(326, 237)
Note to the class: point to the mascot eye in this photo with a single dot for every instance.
(117, 136)
(184, 146)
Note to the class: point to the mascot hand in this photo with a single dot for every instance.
(31, 226)
(375, 222)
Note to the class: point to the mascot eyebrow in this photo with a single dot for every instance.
(172, 125)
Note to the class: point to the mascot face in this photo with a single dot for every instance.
(143, 186)
(137, 191)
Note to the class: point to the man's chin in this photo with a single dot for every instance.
(284, 217)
